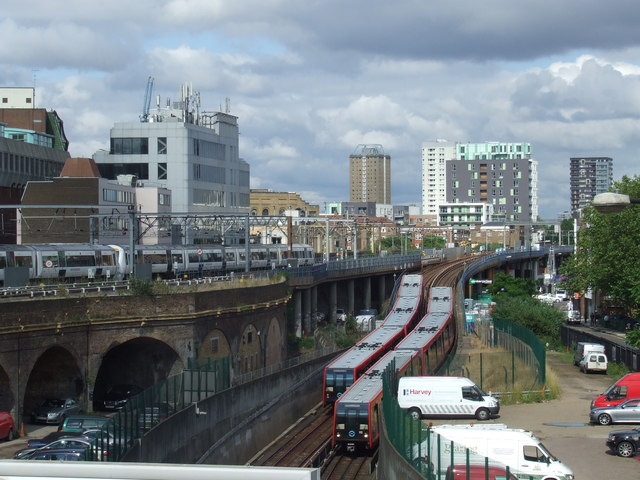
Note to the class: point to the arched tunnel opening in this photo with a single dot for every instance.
(56, 374)
(142, 362)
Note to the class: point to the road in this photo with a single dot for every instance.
(562, 425)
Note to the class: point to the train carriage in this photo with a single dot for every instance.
(17, 256)
(356, 412)
(341, 373)
(73, 261)
(421, 352)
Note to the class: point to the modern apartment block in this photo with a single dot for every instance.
(33, 147)
(589, 176)
(434, 184)
(501, 174)
(191, 152)
(370, 175)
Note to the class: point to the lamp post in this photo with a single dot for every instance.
(612, 202)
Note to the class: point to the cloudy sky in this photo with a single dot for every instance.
(310, 80)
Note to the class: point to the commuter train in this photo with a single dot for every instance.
(407, 309)
(421, 352)
(84, 262)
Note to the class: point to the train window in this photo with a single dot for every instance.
(229, 256)
(23, 261)
(50, 261)
(154, 258)
(108, 259)
(176, 258)
(78, 260)
(3, 262)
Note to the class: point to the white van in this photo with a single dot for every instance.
(595, 362)
(514, 448)
(582, 348)
(445, 397)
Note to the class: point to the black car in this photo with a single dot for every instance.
(60, 454)
(62, 443)
(46, 440)
(625, 443)
(118, 396)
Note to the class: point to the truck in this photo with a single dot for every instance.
(495, 445)
(445, 397)
(582, 348)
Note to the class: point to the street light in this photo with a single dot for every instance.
(612, 202)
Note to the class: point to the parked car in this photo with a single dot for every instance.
(66, 443)
(341, 315)
(154, 415)
(118, 395)
(625, 443)
(55, 410)
(477, 472)
(625, 412)
(7, 426)
(366, 319)
(59, 454)
(80, 423)
(51, 437)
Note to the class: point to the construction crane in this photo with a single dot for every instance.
(147, 101)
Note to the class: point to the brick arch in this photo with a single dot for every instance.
(56, 373)
(141, 361)
(249, 356)
(214, 345)
(274, 349)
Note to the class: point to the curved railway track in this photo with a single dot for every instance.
(308, 442)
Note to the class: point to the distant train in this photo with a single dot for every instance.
(421, 352)
(84, 262)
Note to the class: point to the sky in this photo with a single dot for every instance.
(311, 80)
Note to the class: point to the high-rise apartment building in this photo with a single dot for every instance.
(502, 174)
(369, 175)
(193, 153)
(588, 177)
(434, 185)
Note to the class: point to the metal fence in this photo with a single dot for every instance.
(157, 403)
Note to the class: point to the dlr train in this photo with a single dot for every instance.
(85, 262)
(421, 352)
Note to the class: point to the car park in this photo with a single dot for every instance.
(625, 412)
(625, 443)
(7, 426)
(55, 410)
(118, 395)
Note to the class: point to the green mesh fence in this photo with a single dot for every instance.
(157, 403)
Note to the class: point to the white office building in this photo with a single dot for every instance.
(193, 153)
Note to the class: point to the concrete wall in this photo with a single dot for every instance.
(238, 422)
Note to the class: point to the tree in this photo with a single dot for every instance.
(504, 284)
(607, 255)
(433, 241)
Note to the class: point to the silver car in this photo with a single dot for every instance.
(625, 412)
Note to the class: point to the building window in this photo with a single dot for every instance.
(162, 145)
(5, 100)
(129, 146)
(162, 171)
